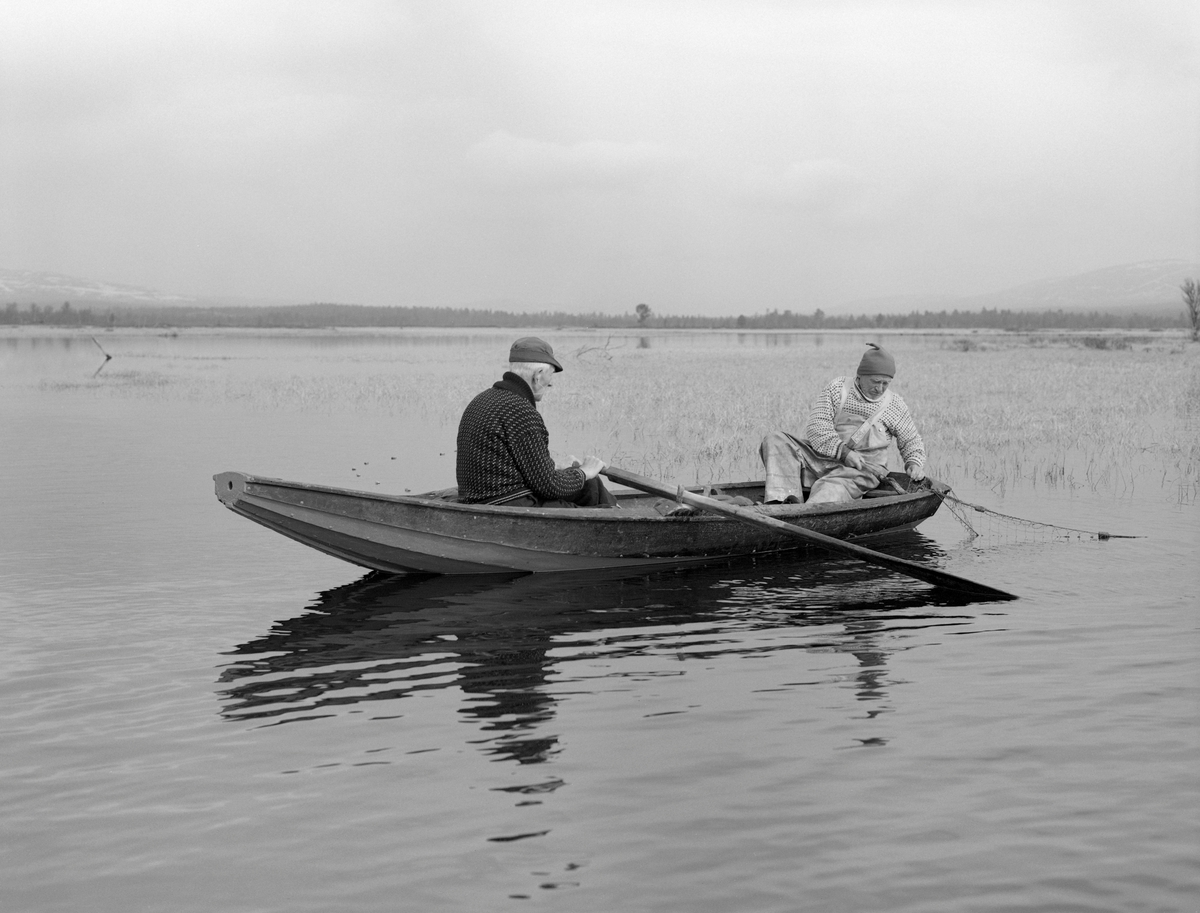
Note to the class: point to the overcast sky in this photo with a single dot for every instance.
(701, 157)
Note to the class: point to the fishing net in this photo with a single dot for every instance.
(994, 525)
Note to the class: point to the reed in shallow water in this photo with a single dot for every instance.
(999, 411)
(1112, 420)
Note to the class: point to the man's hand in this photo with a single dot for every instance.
(855, 460)
(916, 473)
(591, 466)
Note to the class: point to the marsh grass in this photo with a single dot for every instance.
(999, 410)
(1113, 420)
(1067, 416)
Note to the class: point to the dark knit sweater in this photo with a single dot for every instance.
(503, 447)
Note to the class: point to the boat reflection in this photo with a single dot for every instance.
(501, 640)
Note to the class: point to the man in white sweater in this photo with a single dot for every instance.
(843, 452)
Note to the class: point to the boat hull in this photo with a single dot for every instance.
(426, 534)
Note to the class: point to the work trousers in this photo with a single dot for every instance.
(792, 465)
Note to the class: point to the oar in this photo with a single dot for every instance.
(755, 518)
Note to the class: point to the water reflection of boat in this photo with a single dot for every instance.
(499, 640)
(431, 534)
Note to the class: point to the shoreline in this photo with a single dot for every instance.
(41, 331)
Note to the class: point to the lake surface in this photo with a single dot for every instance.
(202, 715)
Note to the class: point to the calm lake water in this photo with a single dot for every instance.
(201, 715)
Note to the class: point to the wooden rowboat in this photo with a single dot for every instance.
(433, 534)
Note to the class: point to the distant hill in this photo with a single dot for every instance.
(1147, 287)
(1142, 286)
(52, 289)
(27, 287)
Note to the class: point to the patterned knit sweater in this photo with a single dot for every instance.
(896, 419)
(503, 447)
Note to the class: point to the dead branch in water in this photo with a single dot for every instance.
(601, 350)
(107, 357)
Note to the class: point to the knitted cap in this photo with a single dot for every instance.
(530, 348)
(877, 360)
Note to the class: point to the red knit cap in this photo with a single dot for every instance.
(877, 360)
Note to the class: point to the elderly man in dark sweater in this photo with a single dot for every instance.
(503, 444)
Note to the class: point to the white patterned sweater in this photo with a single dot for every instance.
(896, 419)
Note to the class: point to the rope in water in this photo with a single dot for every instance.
(959, 508)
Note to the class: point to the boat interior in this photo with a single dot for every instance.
(745, 494)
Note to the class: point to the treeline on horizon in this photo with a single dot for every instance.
(324, 316)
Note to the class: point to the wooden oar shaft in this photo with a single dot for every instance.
(761, 520)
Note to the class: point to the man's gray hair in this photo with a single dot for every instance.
(528, 370)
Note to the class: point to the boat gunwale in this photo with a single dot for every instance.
(592, 514)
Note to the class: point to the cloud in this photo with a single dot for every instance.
(506, 161)
(694, 154)
(821, 188)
